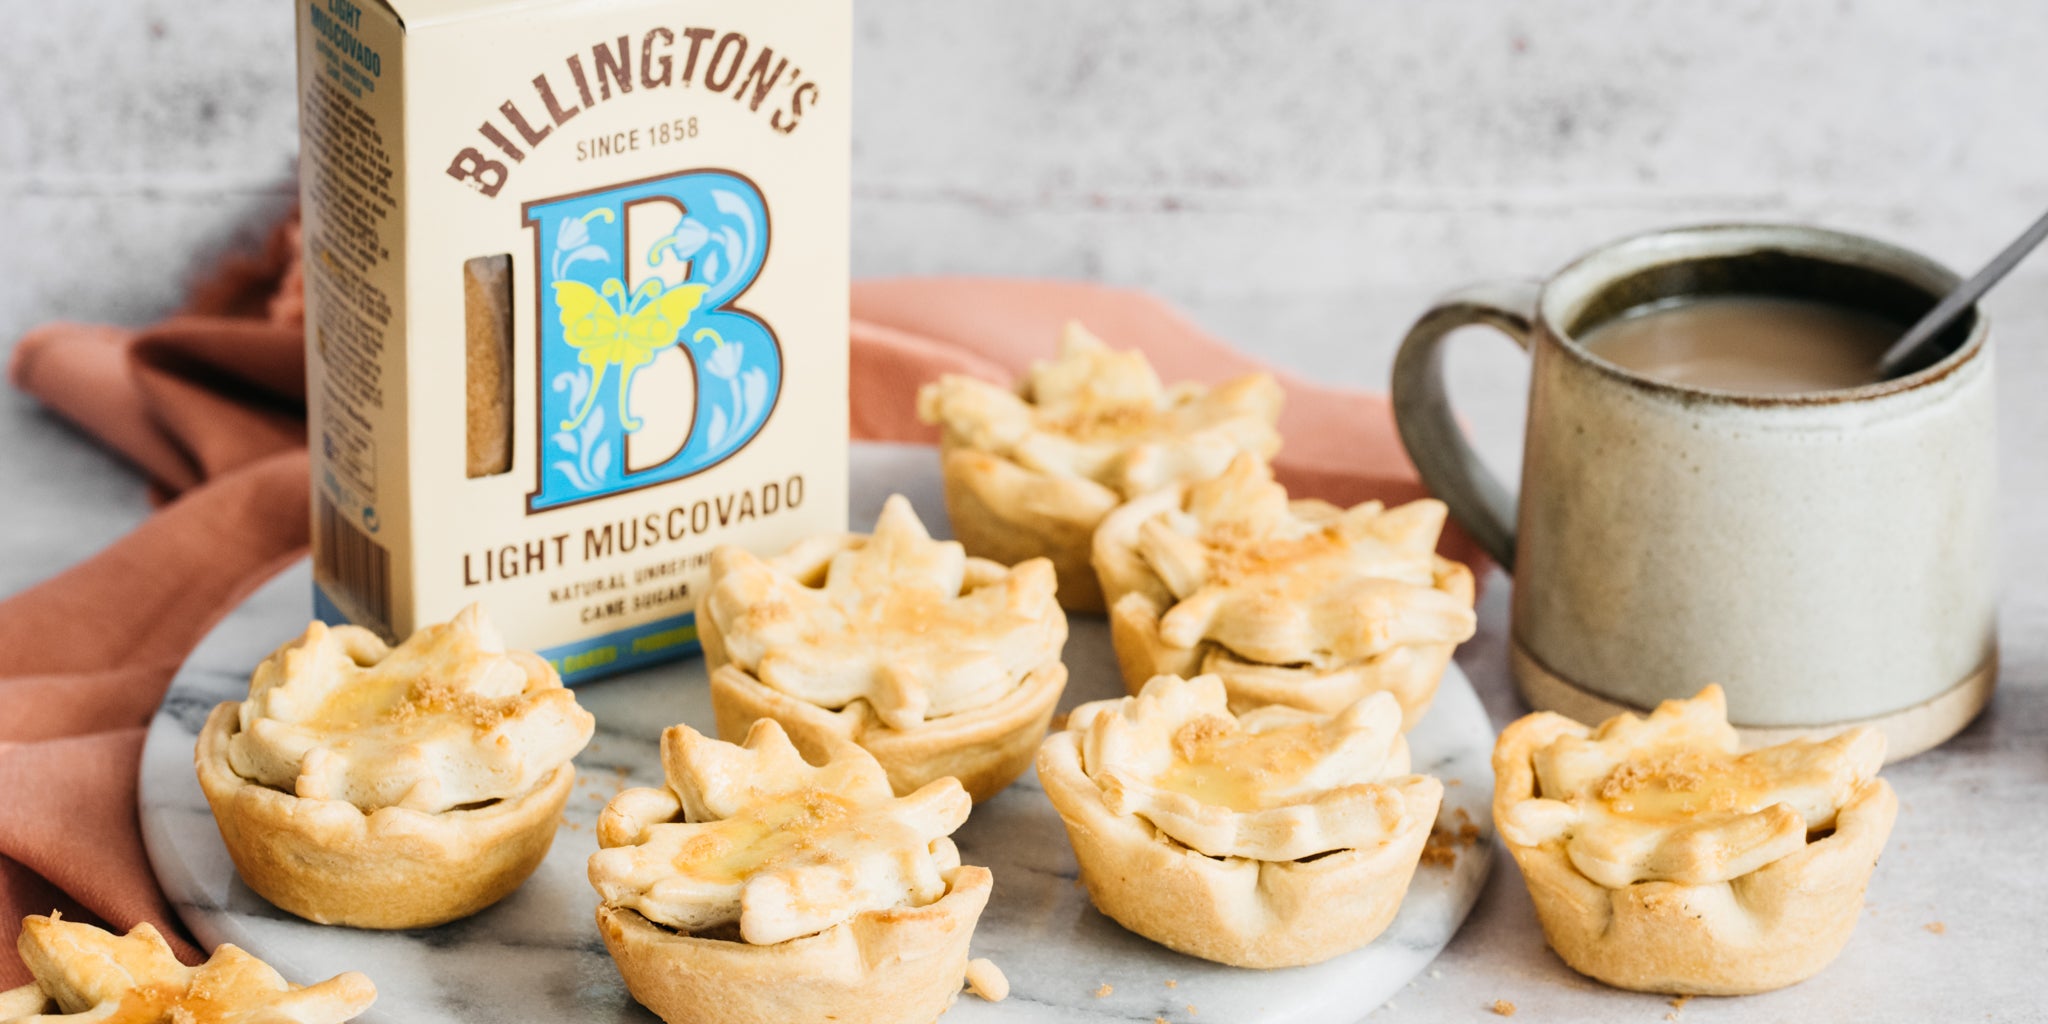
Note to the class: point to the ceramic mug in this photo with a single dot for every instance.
(1828, 557)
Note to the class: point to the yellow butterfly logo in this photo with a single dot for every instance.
(611, 328)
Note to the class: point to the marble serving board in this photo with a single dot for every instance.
(537, 956)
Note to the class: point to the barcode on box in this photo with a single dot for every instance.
(355, 569)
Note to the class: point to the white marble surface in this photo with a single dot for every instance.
(536, 957)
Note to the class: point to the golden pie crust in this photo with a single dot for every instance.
(88, 974)
(1295, 602)
(1328, 800)
(330, 863)
(1719, 872)
(883, 967)
(1031, 473)
(869, 915)
(936, 663)
(375, 787)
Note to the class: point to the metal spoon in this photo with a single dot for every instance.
(1906, 351)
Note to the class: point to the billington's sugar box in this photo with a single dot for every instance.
(576, 306)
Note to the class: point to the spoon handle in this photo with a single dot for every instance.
(1963, 297)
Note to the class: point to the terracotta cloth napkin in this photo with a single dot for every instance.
(210, 404)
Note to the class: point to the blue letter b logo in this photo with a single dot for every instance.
(647, 373)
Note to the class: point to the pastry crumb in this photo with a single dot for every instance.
(1104, 991)
(1937, 928)
(1448, 837)
(1454, 782)
(1192, 1012)
(986, 980)
(1170, 983)
(1160, 1020)
(1677, 1006)
(1503, 1008)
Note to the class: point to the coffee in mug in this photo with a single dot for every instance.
(1758, 344)
(1716, 489)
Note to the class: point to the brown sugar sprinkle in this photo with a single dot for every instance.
(1705, 781)
(1104, 991)
(1190, 739)
(1937, 928)
(1236, 551)
(1503, 1007)
(433, 697)
(1447, 838)
(1682, 772)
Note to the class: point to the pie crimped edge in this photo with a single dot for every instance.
(1138, 598)
(1006, 510)
(1232, 910)
(1771, 927)
(985, 748)
(880, 967)
(328, 861)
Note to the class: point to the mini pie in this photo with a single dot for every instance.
(937, 663)
(83, 973)
(757, 887)
(1274, 838)
(392, 788)
(1663, 860)
(1290, 602)
(1032, 472)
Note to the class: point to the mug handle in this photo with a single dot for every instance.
(1422, 410)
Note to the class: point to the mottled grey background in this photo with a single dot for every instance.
(1302, 176)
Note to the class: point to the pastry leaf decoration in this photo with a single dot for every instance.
(1668, 797)
(94, 974)
(1248, 572)
(447, 718)
(1275, 783)
(894, 624)
(770, 842)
